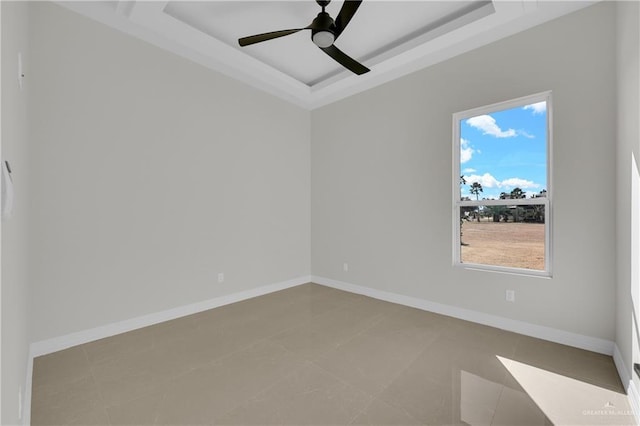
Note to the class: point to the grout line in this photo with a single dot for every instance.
(345, 382)
(378, 393)
(495, 410)
(266, 388)
(395, 377)
(248, 346)
(365, 409)
(95, 381)
(306, 362)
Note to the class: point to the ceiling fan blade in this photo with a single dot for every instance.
(245, 41)
(344, 60)
(347, 11)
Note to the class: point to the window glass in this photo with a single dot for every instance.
(501, 186)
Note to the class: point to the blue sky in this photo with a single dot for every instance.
(504, 150)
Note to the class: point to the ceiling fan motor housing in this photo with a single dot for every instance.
(323, 30)
(323, 22)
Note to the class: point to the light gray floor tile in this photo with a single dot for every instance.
(317, 355)
(309, 396)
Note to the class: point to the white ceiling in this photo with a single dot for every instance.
(375, 29)
(392, 38)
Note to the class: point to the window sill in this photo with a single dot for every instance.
(504, 270)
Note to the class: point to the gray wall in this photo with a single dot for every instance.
(381, 177)
(15, 286)
(152, 174)
(627, 207)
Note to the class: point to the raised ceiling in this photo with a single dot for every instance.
(392, 38)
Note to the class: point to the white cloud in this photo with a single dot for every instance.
(486, 180)
(519, 183)
(469, 170)
(466, 152)
(537, 108)
(526, 134)
(488, 125)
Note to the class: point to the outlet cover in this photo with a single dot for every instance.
(510, 295)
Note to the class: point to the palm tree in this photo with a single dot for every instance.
(476, 188)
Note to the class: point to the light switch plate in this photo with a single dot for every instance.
(20, 71)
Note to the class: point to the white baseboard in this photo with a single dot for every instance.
(26, 403)
(623, 372)
(55, 344)
(627, 381)
(541, 332)
(634, 400)
(594, 344)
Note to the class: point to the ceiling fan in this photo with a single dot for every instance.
(324, 32)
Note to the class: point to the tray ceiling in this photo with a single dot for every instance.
(392, 38)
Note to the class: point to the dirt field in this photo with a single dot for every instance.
(519, 245)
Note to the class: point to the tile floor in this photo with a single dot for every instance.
(316, 355)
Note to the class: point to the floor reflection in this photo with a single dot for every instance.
(561, 399)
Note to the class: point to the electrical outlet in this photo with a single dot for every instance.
(510, 296)
(220, 277)
(345, 267)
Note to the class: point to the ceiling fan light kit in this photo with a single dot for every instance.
(323, 39)
(324, 32)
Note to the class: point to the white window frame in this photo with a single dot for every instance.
(546, 201)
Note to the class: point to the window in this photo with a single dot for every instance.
(502, 186)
